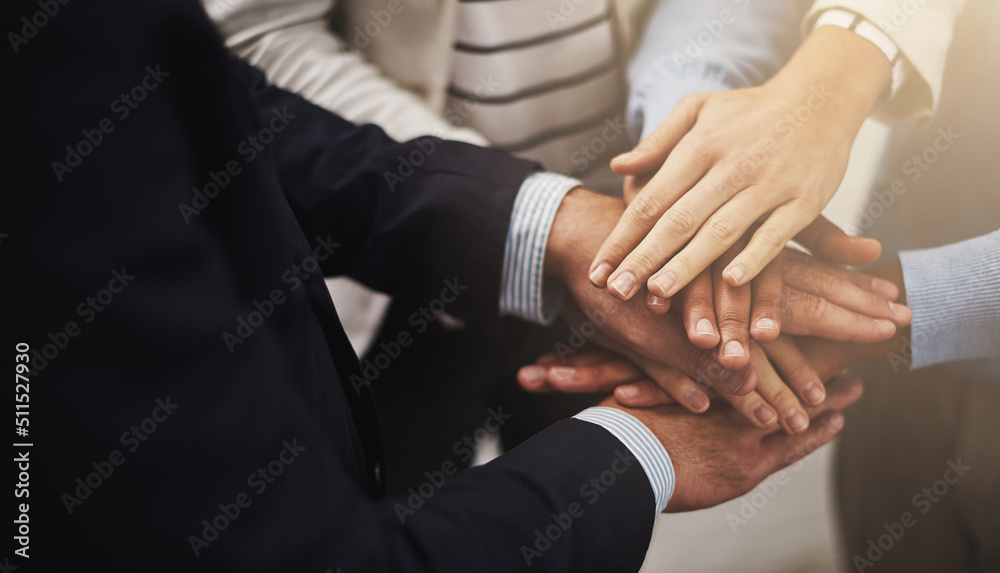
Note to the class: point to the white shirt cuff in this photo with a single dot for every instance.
(524, 292)
(954, 292)
(644, 446)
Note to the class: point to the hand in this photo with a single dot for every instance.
(723, 160)
(802, 358)
(645, 383)
(796, 294)
(654, 342)
(718, 456)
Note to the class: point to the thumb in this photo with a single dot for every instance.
(650, 153)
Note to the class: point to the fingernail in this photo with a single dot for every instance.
(733, 349)
(766, 324)
(705, 326)
(653, 300)
(885, 289)
(698, 400)
(532, 375)
(666, 282)
(837, 422)
(563, 374)
(628, 392)
(764, 414)
(624, 284)
(814, 393)
(885, 325)
(796, 420)
(733, 380)
(736, 273)
(901, 312)
(599, 276)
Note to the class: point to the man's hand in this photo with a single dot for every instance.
(795, 294)
(723, 160)
(583, 220)
(719, 455)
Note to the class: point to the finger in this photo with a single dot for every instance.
(772, 388)
(679, 174)
(807, 314)
(753, 407)
(657, 305)
(696, 304)
(828, 242)
(853, 291)
(641, 394)
(681, 388)
(635, 183)
(765, 317)
(534, 378)
(795, 370)
(784, 449)
(732, 307)
(768, 240)
(652, 151)
(602, 377)
(721, 231)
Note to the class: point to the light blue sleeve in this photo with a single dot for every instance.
(954, 292)
(692, 46)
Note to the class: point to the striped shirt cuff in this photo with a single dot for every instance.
(652, 104)
(644, 446)
(525, 293)
(954, 292)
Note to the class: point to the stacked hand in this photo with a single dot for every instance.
(684, 354)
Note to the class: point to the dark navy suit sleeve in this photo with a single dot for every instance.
(417, 218)
(190, 403)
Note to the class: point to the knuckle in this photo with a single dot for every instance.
(770, 238)
(729, 322)
(816, 307)
(640, 262)
(721, 229)
(681, 221)
(646, 208)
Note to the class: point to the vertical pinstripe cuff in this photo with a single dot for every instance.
(644, 446)
(524, 291)
(954, 292)
(650, 105)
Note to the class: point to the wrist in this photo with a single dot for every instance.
(581, 224)
(848, 71)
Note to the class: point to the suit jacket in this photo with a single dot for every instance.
(195, 404)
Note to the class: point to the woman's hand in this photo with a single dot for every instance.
(724, 160)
